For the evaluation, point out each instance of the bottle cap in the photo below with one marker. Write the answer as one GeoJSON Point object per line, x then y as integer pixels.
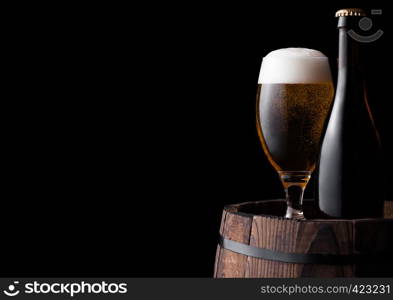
{"type": "Point", "coordinates": [350, 12]}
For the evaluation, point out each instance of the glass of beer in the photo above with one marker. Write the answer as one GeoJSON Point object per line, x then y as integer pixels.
{"type": "Point", "coordinates": [295, 92]}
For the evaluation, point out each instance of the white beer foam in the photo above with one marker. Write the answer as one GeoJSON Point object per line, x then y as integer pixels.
{"type": "Point", "coordinates": [295, 65]}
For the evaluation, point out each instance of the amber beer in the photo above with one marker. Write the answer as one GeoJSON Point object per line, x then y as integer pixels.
{"type": "Point", "coordinates": [294, 95]}
{"type": "Point", "coordinates": [291, 117]}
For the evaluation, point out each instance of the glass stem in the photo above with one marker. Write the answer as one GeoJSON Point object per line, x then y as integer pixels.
{"type": "Point", "coordinates": [294, 184]}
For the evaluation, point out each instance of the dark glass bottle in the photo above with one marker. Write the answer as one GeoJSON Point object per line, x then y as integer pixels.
{"type": "Point", "coordinates": [350, 178]}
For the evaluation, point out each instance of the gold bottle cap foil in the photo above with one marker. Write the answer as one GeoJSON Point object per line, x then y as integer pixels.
{"type": "Point", "coordinates": [350, 12]}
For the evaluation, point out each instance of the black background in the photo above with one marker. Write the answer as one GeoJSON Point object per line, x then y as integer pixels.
{"type": "Point", "coordinates": [127, 129]}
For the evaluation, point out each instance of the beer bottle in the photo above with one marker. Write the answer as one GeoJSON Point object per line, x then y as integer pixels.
{"type": "Point", "coordinates": [350, 177]}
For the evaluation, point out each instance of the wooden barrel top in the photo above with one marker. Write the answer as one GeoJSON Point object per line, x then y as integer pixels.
{"type": "Point", "coordinates": [261, 224]}
{"type": "Point", "coordinates": [276, 209]}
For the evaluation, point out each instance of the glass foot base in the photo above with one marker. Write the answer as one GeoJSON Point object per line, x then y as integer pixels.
{"type": "Point", "coordinates": [293, 213]}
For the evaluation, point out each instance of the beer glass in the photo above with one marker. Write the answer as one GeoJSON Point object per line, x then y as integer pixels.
{"type": "Point", "coordinates": [294, 96]}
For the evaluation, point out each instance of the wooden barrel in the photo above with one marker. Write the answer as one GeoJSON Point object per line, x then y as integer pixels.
{"type": "Point", "coordinates": [255, 241]}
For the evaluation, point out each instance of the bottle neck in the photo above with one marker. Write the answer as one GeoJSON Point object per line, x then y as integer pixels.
{"type": "Point", "coordinates": [349, 52]}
